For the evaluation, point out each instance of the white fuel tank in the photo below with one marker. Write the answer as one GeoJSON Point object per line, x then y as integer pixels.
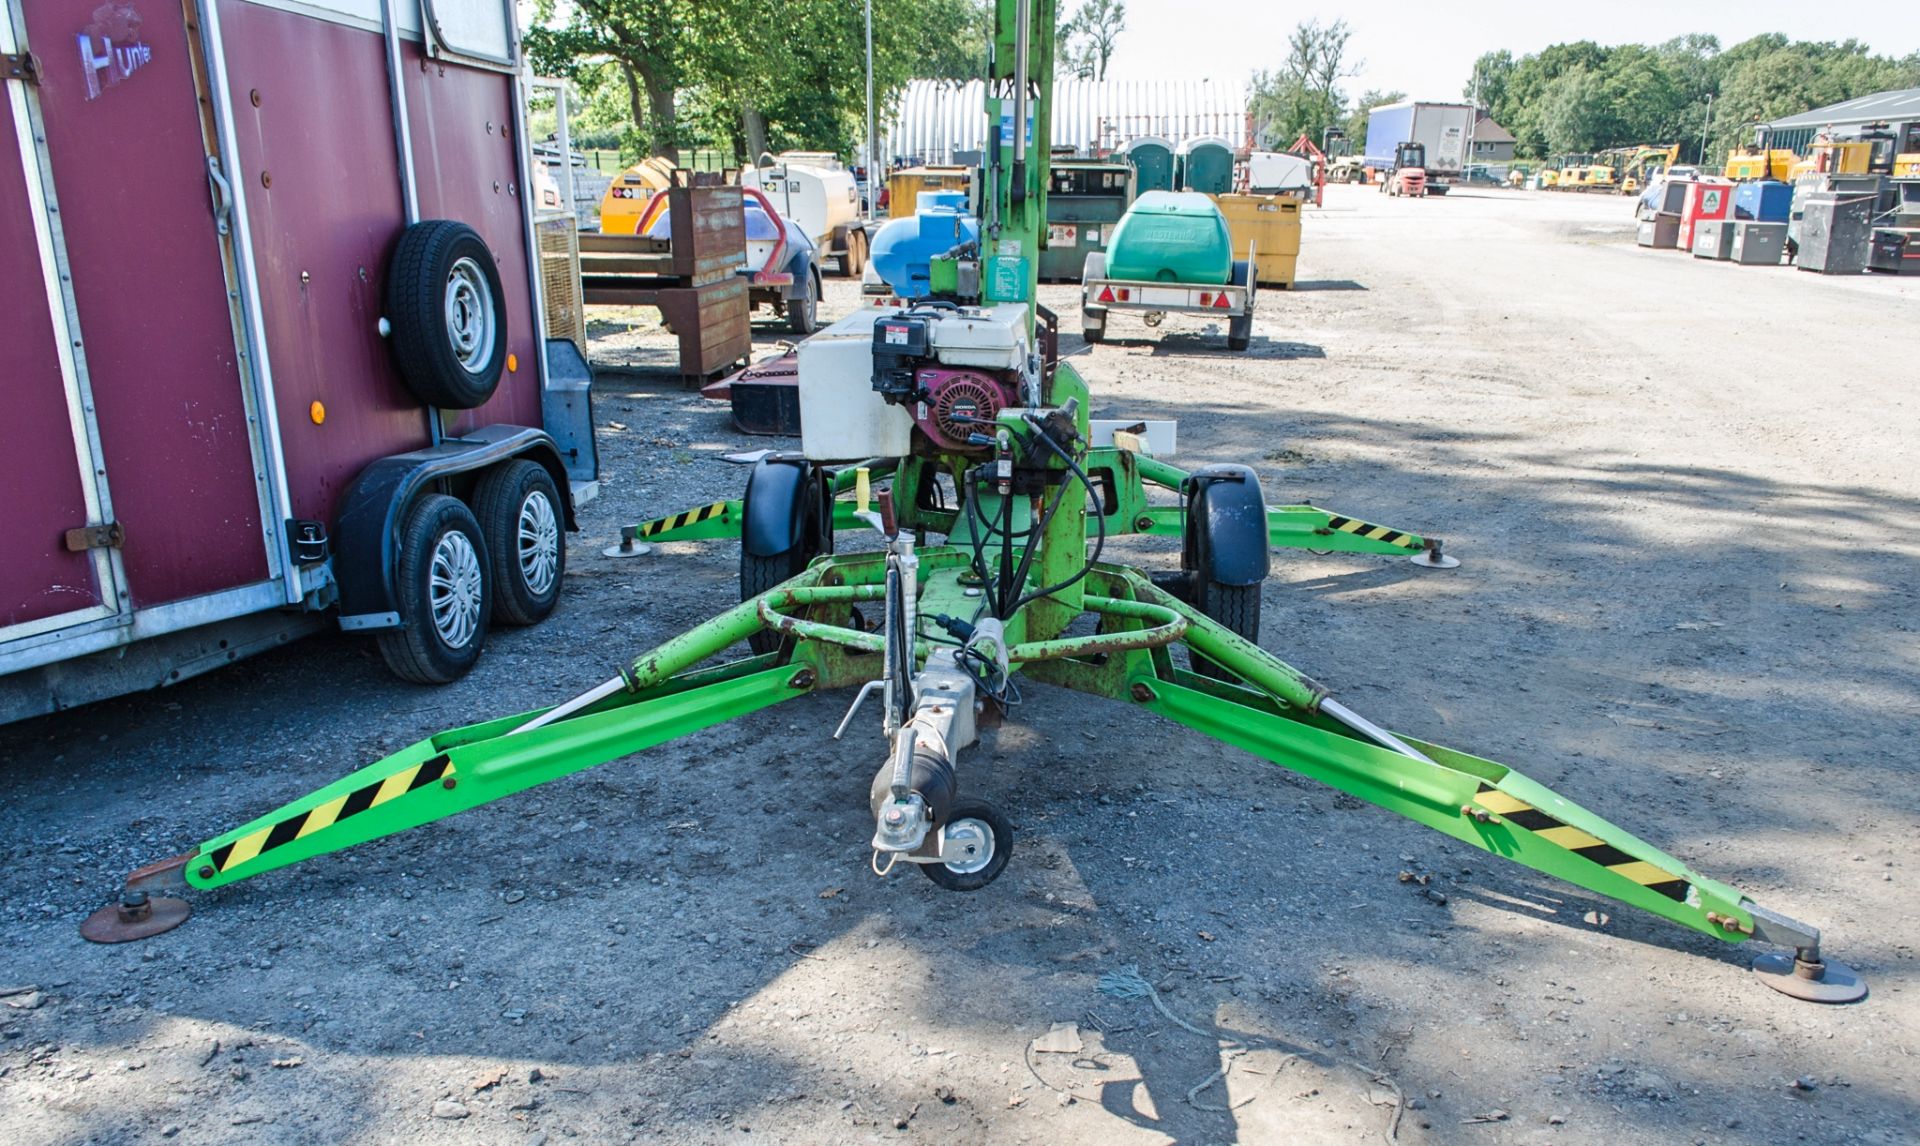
{"type": "Point", "coordinates": [817, 198]}
{"type": "Point", "coordinates": [842, 418]}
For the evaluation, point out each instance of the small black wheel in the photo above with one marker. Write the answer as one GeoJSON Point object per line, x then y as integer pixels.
{"type": "Point", "coordinates": [1236, 607]}
{"type": "Point", "coordinates": [986, 836]}
{"type": "Point", "coordinates": [803, 310]}
{"type": "Point", "coordinates": [1240, 332]}
{"type": "Point", "coordinates": [520, 512]}
{"type": "Point", "coordinates": [449, 322]}
{"type": "Point", "coordinates": [1093, 327]}
{"type": "Point", "coordinates": [445, 593]}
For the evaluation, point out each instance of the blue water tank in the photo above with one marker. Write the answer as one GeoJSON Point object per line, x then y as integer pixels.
{"type": "Point", "coordinates": [903, 248]}
{"type": "Point", "coordinates": [1764, 200]}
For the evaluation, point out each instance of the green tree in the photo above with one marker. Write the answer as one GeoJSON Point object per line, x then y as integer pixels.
{"type": "Point", "coordinates": [1087, 39]}
{"type": "Point", "coordinates": [1304, 95]}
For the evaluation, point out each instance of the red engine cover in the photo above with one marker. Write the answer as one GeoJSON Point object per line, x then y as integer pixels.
{"type": "Point", "coordinates": [955, 399]}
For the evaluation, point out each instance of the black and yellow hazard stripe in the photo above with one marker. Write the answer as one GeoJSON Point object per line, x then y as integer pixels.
{"type": "Point", "coordinates": [264, 840]}
{"type": "Point", "coordinates": [1584, 844]}
{"type": "Point", "coordinates": [671, 522]}
{"type": "Point", "coordinates": [1373, 532]}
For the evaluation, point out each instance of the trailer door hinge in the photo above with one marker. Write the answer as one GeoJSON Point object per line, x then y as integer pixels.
{"type": "Point", "coordinates": [112, 535]}
{"type": "Point", "coordinates": [22, 66]}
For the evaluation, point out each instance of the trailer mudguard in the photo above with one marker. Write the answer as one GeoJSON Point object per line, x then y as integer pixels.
{"type": "Point", "coordinates": [1226, 530]}
{"type": "Point", "coordinates": [773, 512]}
{"type": "Point", "coordinates": [366, 535]}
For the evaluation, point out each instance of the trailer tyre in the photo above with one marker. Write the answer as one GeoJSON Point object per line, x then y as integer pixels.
{"type": "Point", "coordinates": [448, 316]}
{"type": "Point", "coordinates": [1093, 327]}
{"type": "Point", "coordinates": [520, 513]}
{"type": "Point", "coordinates": [803, 310]}
{"type": "Point", "coordinates": [445, 594]}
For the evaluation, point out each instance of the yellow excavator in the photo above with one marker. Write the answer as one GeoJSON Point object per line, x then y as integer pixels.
{"type": "Point", "coordinates": [1635, 167]}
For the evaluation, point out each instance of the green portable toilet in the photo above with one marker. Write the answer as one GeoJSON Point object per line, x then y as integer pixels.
{"type": "Point", "coordinates": [1152, 161]}
{"type": "Point", "coordinates": [1205, 165]}
{"type": "Point", "coordinates": [1084, 202]}
{"type": "Point", "coordinates": [1171, 237]}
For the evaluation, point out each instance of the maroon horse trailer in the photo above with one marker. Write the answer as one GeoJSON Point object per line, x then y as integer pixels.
{"type": "Point", "coordinates": [275, 355]}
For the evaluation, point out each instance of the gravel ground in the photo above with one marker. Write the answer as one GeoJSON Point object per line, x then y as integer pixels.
{"type": "Point", "coordinates": [1686, 500]}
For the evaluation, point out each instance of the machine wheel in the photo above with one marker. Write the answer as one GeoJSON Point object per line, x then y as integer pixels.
{"type": "Point", "coordinates": [445, 593]}
{"type": "Point", "coordinates": [803, 311]}
{"type": "Point", "coordinates": [447, 313]}
{"type": "Point", "coordinates": [520, 513]}
{"type": "Point", "coordinates": [993, 836]}
{"type": "Point", "coordinates": [1236, 607]}
{"type": "Point", "coordinates": [760, 573]}
{"type": "Point", "coordinates": [1240, 332]}
{"type": "Point", "coordinates": [1093, 327]}
{"type": "Point", "coordinates": [855, 260]}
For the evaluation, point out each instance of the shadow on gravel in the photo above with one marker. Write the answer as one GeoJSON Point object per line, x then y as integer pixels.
{"type": "Point", "coordinates": [1305, 285]}
{"type": "Point", "coordinates": [1677, 687]}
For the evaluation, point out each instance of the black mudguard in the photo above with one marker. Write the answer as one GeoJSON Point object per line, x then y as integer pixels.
{"type": "Point", "coordinates": [366, 532]}
{"type": "Point", "coordinates": [1225, 539]}
{"type": "Point", "coordinates": [783, 507]}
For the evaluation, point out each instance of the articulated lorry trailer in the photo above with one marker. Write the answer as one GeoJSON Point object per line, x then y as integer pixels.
{"type": "Point", "coordinates": [1442, 127]}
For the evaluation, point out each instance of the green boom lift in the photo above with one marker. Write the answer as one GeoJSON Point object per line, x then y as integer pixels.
{"type": "Point", "coordinates": [960, 403]}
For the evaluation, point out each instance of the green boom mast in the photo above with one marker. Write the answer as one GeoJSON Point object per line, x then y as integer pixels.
{"type": "Point", "coordinates": [1003, 464]}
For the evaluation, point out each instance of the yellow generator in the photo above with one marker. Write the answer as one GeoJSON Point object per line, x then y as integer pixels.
{"type": "Point", "coordinates": [630, 192]}
{"type": "Point", "coordinates": [1752, 163]}
{"type": "Point", "coordinates": [1269, 225]}
{"type": "Point", "coordinates": [904, 186]}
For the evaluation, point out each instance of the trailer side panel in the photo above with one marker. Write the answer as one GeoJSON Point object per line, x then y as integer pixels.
{"type": "Point", "coordinates": [323, 197]}
{"type": "Point", "coordinates": [124, 132]}
{"type": "Point", "coordinates": [465, 161]}
{"type": "Point", "coordinates": [40, 463]}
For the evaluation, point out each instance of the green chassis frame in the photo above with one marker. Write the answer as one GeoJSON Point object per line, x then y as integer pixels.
{"type": "Point", "coordinates": [1273, 711]}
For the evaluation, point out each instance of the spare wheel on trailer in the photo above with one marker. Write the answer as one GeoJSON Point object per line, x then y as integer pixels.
{"type": "Point", "coordinates": [444, 302]}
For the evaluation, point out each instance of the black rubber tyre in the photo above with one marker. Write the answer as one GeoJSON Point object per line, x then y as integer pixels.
{"type": "Point", "coordinates": [524, 521]}
{"type": "Point", "coordinates": [1236, 607]}
{"type": "Point", "coordinates": [803, 311]}
{"type": "Point", "coordinates": [441, 541]}
{"type": "Point", "coordinates": [1093, 329]}
{"type": "Point", "coordinates": [759, 574]}
{"type": "Point", "coordinates": [1240, 332]}
{"type": "Point", "coordinates": [855, 260]}
{"type": "Point", "coordinates": [1000, 836]}
{"type": "Point", "coordinates": [448, 314]}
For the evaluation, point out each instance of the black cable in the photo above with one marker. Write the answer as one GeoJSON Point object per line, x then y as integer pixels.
{"type": "Point", "coordinates": [1100, 522]}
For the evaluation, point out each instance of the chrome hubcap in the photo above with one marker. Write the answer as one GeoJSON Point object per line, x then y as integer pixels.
{"type": "Point", "coordinates": [539, 543]}
{"type": "Point", "coordinates": [454, 589]}
{"type": "Point", "coordinates": [970, 842]}
{"type": "Point", "coordinates": [470, 321]}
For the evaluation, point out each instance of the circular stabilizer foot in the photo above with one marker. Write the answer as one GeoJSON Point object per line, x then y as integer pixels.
{"type": "Point", "coordinates": [1426, 559]}
{"type": "Point", "coordinates": [627, 549]}
{"type": "Point", "coordinates": [1827, 982]}
{"type": "Point", "coordinates": [123, 923]}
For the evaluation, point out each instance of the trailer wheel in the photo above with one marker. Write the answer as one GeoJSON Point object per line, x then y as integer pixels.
{"type": "Point", "coordinates": [445, 305]}
{"type": "Point", "coordinates": [1235, 607]}
{"type": "Point", "coordinates": [803, 310]}
{"type": "Point", "coordinates": [1093, 326]}
{"type": "Point", "coordinates": [855, 260]}
{"type": "Point", "coordinates": [519, 509]}
{"type": "Point", "coordinates": [988, 836]}
{"type": "Point", "coordinates": [445, 594]}
{"type": "Point", "coordinates": [812, 534]}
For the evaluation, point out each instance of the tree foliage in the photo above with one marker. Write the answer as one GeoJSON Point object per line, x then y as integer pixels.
{"type": "Point", "coordinates": [1583, 97]}
{"type": "Point", "coordinates": [1304, 94]}
{"type": "Point", "coordinates": [747, 76]}
{"type": "Point", "coordinates": [1086, 39]}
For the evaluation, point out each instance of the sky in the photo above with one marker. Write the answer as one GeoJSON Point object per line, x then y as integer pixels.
{"type": "Point", "coordinates": [1427, 49]}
